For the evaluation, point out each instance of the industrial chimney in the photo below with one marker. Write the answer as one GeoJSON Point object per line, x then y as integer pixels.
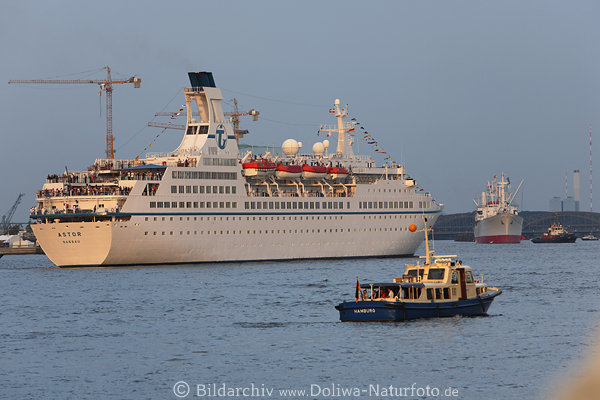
{"type": "Point", "coordinates": [576, 189]}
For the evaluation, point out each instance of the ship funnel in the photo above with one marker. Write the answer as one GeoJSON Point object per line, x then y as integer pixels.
{"type": "Point", "coordinates": [201, 79]}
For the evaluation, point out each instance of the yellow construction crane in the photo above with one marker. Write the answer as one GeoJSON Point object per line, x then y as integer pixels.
{"type": "Point", "coordinates": [234, 117]}
{"type": "Point", "coordinates": [105, 85]}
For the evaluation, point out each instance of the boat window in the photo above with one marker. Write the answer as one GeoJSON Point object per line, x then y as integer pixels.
{"type": "Point", "coordinates": [454, 277]}
{"type": "Point", "coordinates": [446, 293]}
{"type": "Point", "coordinates": [438, 293]}
{"type": "Point", "coordinates": [429, 294]}
{"type": "Point", "coordinates": [469, 277]}
{"type": "Point", "coordinates": [436, 273]}
{"type": "Point", "coordinates": [414, 272]}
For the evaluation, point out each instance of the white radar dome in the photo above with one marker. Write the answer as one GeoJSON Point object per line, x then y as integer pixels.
{"type": "Point", "coordinates": [290, 147]}
{"type": "Point", "coordinates": [326, 143]}
{"type": "Point", "coordinates": [318, 149]}
{"type": "Point", "coordinates": [299, 144]}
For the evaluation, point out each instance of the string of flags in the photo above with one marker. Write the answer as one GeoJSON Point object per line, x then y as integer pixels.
{"type": "Point", "coordinates": [369, 139]}
{"type": "Point", "coordinates": [173, 116]}
{"type": "Point", "coordinates": [178, 112]}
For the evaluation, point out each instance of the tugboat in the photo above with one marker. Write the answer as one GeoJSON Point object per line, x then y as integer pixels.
{"type": "Point", "coordinates": [442, 288]}
{"type": "Point", "coordinates": [555, 234]}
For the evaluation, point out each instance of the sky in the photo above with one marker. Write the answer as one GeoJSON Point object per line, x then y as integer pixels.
{"type": "Point", "coordinates": [458, 91]}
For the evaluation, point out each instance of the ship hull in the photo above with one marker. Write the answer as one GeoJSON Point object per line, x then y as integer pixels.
{"type": "Point", "coordinates": [145, 240]}
{"type": "Point", "coordinates": [501, 228]}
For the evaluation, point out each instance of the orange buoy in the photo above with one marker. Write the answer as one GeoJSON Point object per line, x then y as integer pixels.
{"type": "Point", "coordinates": [412, 227]}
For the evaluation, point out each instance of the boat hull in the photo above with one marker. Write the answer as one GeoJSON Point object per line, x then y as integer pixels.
{"type": "Point", "coordinates": [501, 228]}
{"type": "Point", "coordinates": [373, 311]}
{"type": "Point", "coordinates": [568, 238]}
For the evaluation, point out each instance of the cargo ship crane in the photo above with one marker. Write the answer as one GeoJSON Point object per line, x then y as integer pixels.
{"type": "Point", "coordinates": [105, 85]}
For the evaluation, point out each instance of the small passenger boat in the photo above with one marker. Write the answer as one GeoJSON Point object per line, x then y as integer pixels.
{"type": "Point", "coordinates": [314, 171]}
{"type": "Point", "coordinates": [337, 173]}
{"type": "Point", "coordinates": [259, 167]}
{"type": "Point", "coordinates": [443, 287]}
{"type": "Point", "coordinates": [288, 171]}
{"type": "Point", "coordinates": [589, 237]}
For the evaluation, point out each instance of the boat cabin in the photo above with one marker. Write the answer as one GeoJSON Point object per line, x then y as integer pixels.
{"type": "Point", "coordinates": [444, 280]}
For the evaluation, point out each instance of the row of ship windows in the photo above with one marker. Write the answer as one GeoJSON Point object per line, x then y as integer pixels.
{"type": "Point", "coordinates": [193, 204]}
{"type": "Point", "coordinates": [392, 204]}
{"type": "Point", "coordinates": [277, 231]}
{"type": "Point", "coordinates": [204, 175]}
{"type": "Point", "coordinates": [295, 218]}
{"type": "Point", "coordinates": [192, 189]}
{"type": "Point", "coordinates": [283, 218]}
{"type": "Point", "coordinates": [226, 162]}
{"type": "Point", "coordinates": [294, 205]}
{"type": "Point", "coordinates": [389, 190]}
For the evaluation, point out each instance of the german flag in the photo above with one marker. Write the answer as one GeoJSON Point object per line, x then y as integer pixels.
{"type": "Point", "coordinates": [357, 294]}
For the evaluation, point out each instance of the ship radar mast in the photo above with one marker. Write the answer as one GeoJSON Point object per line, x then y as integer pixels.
{"type": "Point", "coordinates": [344, 146]}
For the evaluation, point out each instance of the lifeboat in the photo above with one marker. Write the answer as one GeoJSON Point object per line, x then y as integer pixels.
{"type": "Point", "coordinates": [314, 171]}
{"type": "Point", "coordinates": [288, 171]}
{"type": "Point", "coordinates": [259, 167]}
{"type": "Point", "coordinates": [337, 173]}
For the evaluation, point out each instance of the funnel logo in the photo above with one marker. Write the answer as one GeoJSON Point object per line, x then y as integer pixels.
{"type": "Point", "coordinates": [221, 137]}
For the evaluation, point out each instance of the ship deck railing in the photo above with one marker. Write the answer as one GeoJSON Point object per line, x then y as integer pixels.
{"type": "Point", "coordinates": [51, 193]}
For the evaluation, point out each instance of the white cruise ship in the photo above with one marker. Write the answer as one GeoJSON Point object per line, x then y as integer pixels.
{"type": "Point", "coordinates": [204, 202]}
